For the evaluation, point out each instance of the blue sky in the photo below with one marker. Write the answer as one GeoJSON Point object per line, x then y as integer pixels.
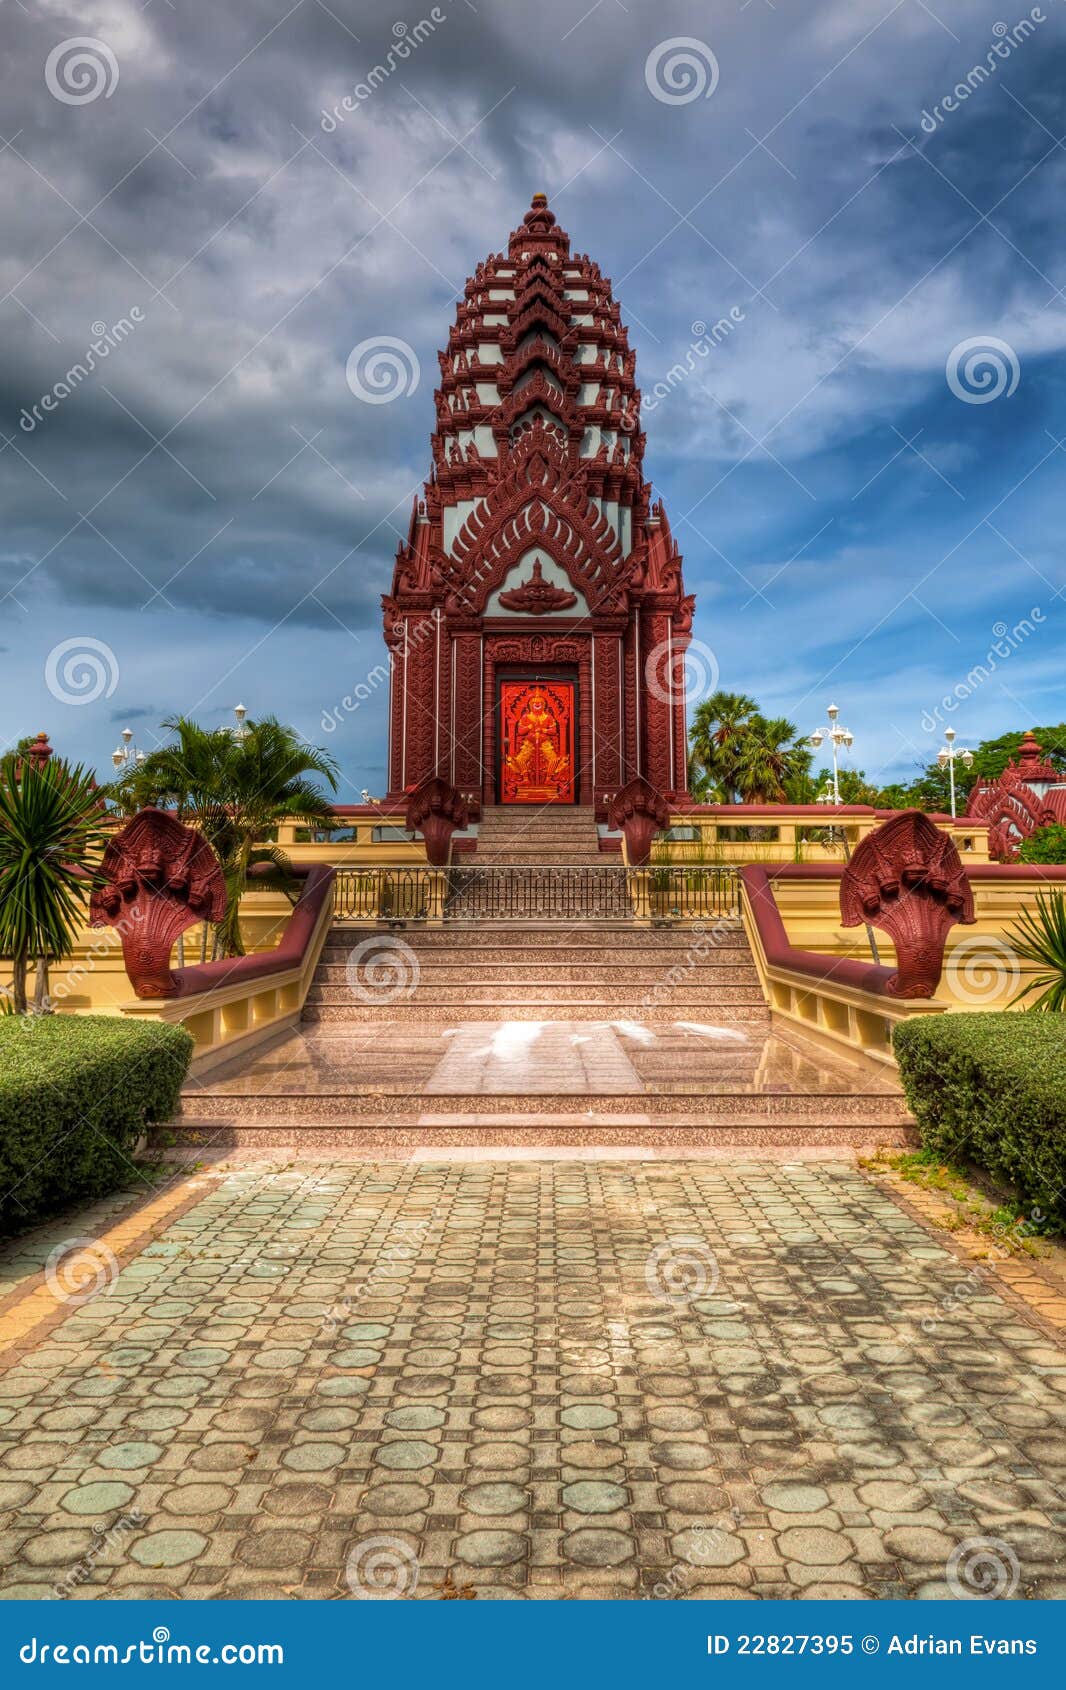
{"type": "Point", "coordinates": [212, 514]}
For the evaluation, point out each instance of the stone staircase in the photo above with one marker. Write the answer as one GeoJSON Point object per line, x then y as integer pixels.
{"type": "Point", "coordinates": [530, 972]}
{"type": "Point", "coordinates": [536, 1035]}
{"type": "Point", "coordinates": [522, 833]}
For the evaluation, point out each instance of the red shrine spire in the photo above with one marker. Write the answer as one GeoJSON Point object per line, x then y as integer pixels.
{"type": "Point", "coordinates": [535, 550]}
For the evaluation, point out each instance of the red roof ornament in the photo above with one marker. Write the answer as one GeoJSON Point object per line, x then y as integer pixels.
{"type": "Point", "coordinates": [1031, 763]}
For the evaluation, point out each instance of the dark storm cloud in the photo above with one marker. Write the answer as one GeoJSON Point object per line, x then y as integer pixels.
{"type": "Point", "coordinates": [215, 464]}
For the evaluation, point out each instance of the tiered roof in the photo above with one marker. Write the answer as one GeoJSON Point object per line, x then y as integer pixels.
{"type": "Point", "coordinates": [537, 437]}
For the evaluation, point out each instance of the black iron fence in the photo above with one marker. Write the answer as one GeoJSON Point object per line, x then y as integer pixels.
{"type": "Point", "coordinates": [531, 892]}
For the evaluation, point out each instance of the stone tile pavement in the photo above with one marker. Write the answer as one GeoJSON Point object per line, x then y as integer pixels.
{"type": "Point", "coordinates": [530, 1379]}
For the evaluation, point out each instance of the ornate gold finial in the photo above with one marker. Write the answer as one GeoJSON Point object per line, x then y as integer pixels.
{"type": "Point", "coordinates": [540, 199]}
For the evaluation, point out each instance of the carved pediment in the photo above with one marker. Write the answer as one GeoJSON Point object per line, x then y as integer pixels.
{"type": "Point", "coordinates": [537, 597]}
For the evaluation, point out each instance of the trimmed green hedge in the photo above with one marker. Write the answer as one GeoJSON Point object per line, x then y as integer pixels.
{"type": "Point", "coordinates": [991, 1089]}
{"type": "Point", "coordinates": [76, 1092]}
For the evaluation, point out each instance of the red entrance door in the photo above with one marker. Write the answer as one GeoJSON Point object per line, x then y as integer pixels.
{"type": "Point", "coordinates": [537, 742]}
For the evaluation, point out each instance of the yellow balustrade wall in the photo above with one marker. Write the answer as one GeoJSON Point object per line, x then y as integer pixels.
{"type": "Point", "coordinates": [797, 835]}
{"type": "Point", "coordinates": [362, 849]}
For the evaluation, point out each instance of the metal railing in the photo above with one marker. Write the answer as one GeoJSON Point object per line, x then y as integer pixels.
{"type": "Point", "coordinates": [535, 892]}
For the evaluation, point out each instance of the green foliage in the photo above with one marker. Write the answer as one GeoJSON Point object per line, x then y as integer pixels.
{"type": "Point", "coordinates": [1046, 845]}
{"type": "Point", "coordinates": [930, 790]}
{"type": "Point", "coordinates": [1040, 937]}
{"type": "Point", "coordinates": [49, 833]}
{"type": "Point", "coordinates": [991, 1089]}
{"type": "Point", "coordinates": [741, 754]}
{"type": "Point", "coordinates": [853, 784]}
{"type": "Point", "coordinates": [76, 1092]}
{"type": "Point", "coordinates": [235, 790]}
{"type": "Point", "coordinates": [992, 755]}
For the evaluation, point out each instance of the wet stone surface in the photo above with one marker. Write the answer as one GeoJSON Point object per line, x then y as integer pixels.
{"type": "Point", "coordinates": [536, 1379]}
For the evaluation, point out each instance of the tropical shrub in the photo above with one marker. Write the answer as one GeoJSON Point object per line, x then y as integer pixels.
{"type": "Point", "coordinates": [1040, 937]}
{"type": "Point", "coordinates": [50, 817]}
{"type": "Point", "coordinates": [991, 1089]}
{"type": "Point", "coordinates": [1045, 845]}
{"type": "Point", "coordinates": [76, 1093]}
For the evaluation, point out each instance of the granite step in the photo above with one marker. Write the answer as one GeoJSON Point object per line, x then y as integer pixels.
{"type": "Point", "coordinates": [354, 1109]}
{"type": "Point", "coordinates": [598, 935]}
{"type": "Point", "coordinates": [503, 1137]}
{"type": "Point", "coordinates": [549, 994]}
{"type": "Point", "coordinates": [588, 957]}
{"type": "Point", "coordinates": [409, 1012]}
{"type": "Point", "coordinates": [538, 972]}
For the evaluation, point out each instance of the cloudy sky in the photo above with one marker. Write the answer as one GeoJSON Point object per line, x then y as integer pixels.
{"type": "Point", "coordinates": [865, 490]}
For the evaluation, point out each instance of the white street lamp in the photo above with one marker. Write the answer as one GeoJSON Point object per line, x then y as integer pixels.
{"type": "Point", "coordinates": [127, 755]}
{"type": "Point", "coordinates": [946, 758]}
{"type": "Point", "coordinates": [838, 736]}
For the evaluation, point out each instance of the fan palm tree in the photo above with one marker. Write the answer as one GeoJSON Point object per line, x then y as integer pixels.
{"type": "Point", "coordinates": [50, 833]}
{"type": "Point", "coordinates": [236, 790]}
{"type": "Point", "coordinates": [769, 756]}
{"type": "Point", "coordinates": [719, 724]}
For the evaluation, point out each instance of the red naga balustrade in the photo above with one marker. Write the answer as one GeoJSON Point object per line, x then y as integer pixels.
{"type": "Point", "coordinates": [641, 813]}
{"type": "Point", "coordinates": [907, 879]}
{"type": "Point", "coordinates": [161, 878]}
{"type": "Point", "coordinates": [435, 810]}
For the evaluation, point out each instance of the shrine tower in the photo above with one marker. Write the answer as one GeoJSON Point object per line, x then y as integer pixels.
{"type": "Point", "coordinates": [538, 621]}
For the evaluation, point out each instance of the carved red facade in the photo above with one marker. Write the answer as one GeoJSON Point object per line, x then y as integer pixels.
{"type": "Point", "coordinates": [907, 878]}
{"type": "Point", "coordinates": [535, 552]}
{"type": "Point", "coordinates": [1030, 793]}
{"type": "Point", "coordinates": [161, 878]}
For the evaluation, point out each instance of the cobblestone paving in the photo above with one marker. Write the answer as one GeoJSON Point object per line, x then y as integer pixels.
{"type": "Point", "coordinates": [537, 1379]}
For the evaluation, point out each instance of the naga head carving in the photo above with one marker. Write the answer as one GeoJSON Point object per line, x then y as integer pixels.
{"type": "Point", "coordinates": [641, 812]}
{"type": "Point", "coordinates": [160, 877]}
{"type": "Point", "coordinates": [907, 879]}
{"type": "Point", "coordinates": [435, 809]}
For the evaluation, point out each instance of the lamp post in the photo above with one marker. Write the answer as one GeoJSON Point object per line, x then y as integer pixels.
{"type": "Point", "coordinates": [838, 736]}
{"type": "Point", "coordinates": [946, 758]}
{"type": "Point", "coordinates": [127, 755]}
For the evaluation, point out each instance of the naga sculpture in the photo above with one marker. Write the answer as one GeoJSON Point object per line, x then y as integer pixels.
{"type": "Point", "coordinates": [907, 879]}
{"type": "Point", "coordinates": [160, 878]}
{"type": "Point", "coordinates": [641, 812]}
{"type": "Point", "coordinates": [435, 809]}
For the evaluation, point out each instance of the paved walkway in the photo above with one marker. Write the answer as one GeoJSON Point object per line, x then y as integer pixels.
{"type": "Point", "coordinates": [523, 1378]}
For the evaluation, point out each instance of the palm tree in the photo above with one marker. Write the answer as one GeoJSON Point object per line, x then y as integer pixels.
{"type": "Point", "coordinates": [769, 756]}
{"type": "Point", "coordinates": [719, 724]}
{"type": "Point", "coordinates": [236, 790]}
{"type": "Point", "coordinates": [50, 833]}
